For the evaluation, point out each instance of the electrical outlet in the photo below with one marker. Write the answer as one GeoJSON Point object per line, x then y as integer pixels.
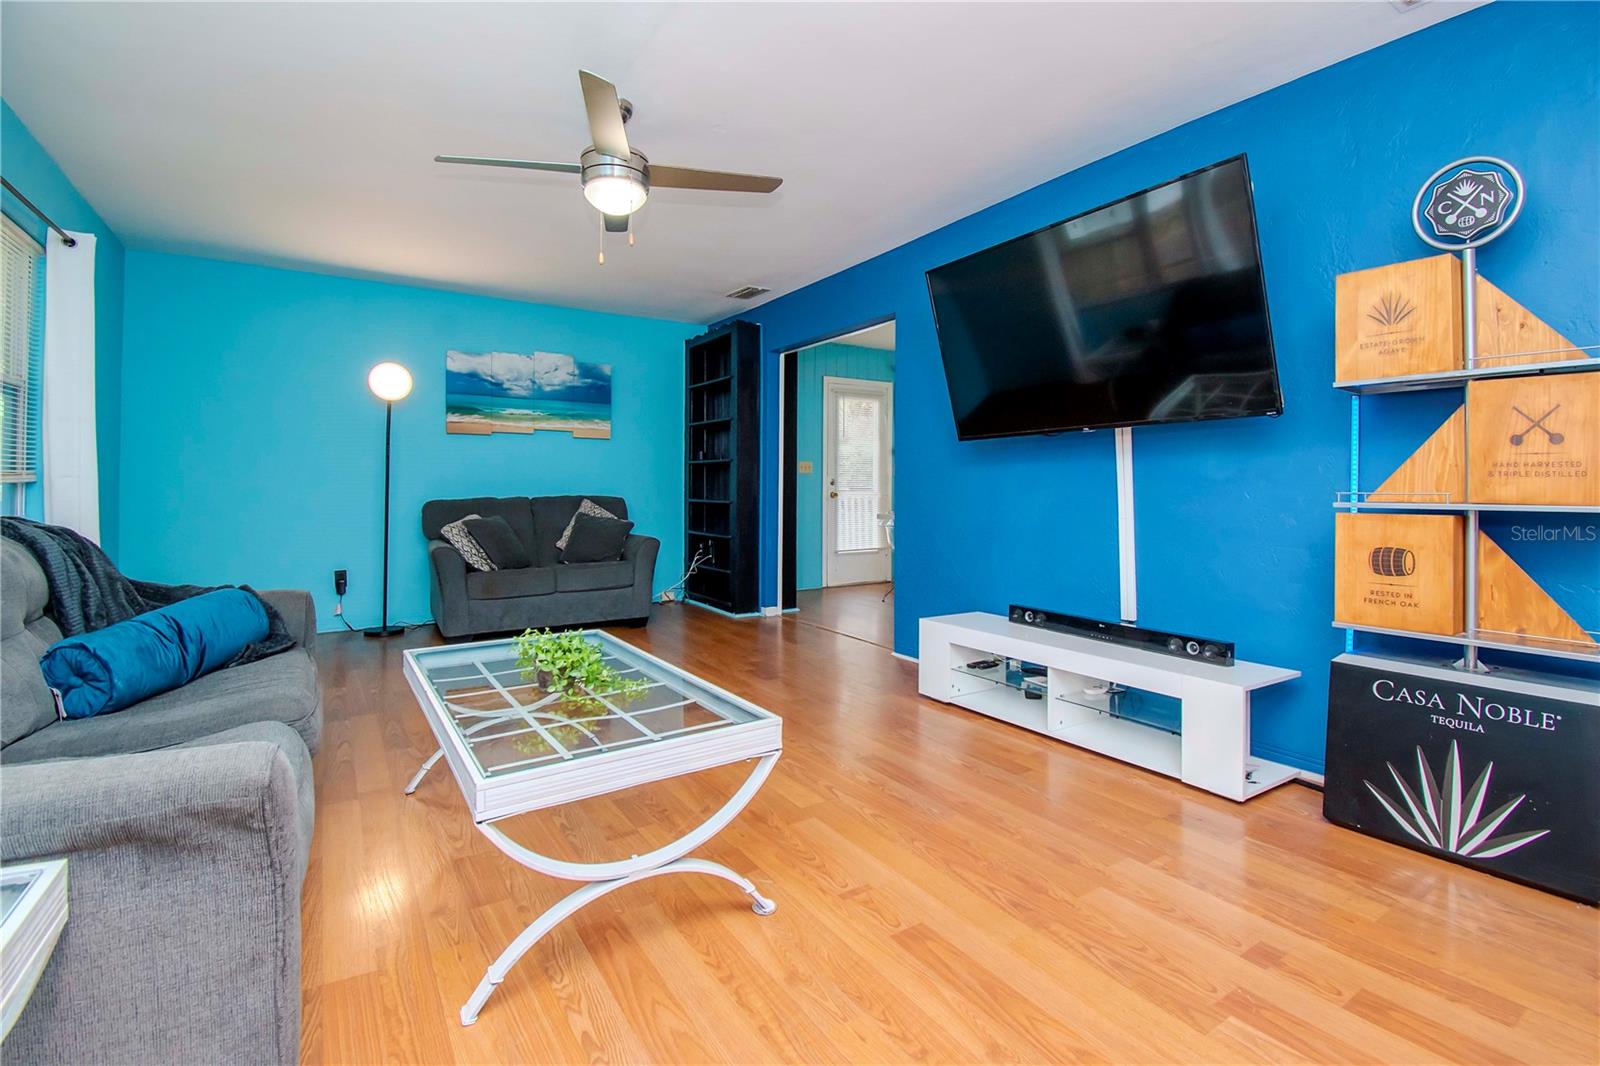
{"type": "Point", "coordinates": [341, 582]}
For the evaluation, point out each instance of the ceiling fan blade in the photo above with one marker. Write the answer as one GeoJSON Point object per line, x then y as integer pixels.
{"type": "Point", "coordinates": [519, 164]}
{"type": "Point", "coordinates": [605, 115]}
{"type": "Point", "coordinates": [616, 223]}
{"type": "Point", "coordinates": [714, 180]}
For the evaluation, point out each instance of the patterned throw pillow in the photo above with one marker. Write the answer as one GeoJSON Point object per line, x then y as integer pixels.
{"type": "Point", "coordinates": [588, 507]}
{"type": "Point", "coordinates": [456, 533]}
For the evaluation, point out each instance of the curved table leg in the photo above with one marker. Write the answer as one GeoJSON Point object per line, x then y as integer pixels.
{"type": "Point", "coordinates": [415, 781]}
{"type": "Point", "coordinates": [606, 877]}
{"type": "Point", "coordinates": [575, 902]}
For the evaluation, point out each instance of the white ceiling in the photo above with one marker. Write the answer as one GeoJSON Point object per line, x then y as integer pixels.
{"type": "Point", "coordinates": [303, 134]}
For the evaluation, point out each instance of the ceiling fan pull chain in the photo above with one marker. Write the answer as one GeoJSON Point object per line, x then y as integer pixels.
{"type": "Point", "coordinates": [602, 256]}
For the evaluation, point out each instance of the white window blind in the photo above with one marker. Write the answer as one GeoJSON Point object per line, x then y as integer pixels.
{"type": "Point", "coordinates": [22, 325]}
{"type": "Point", "coordinates": [858, 454]}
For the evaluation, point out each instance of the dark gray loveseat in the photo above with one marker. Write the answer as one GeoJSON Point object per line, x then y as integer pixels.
{"type": "Point", "coordinates": [550, 592]}
{"type": "Point", "coordinates": [186, 824]}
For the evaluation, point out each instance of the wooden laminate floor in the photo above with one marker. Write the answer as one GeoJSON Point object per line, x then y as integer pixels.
{"type": "Point", "coordinates": [865, 612]}
{"type": "Point", "coordinates": [948, 888]}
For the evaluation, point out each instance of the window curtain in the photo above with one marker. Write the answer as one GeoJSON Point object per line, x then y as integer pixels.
{"type": "Point", "coordinates": [71, 460]}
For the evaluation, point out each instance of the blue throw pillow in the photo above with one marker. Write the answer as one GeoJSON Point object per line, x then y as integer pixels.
{"type": "Point", "coordinates": [152, 653]}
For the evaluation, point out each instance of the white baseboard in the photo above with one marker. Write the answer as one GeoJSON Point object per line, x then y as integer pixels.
{"type": "Point", "coordinates": [907, 658]}
{"type": "Point", "coordinates": [771, 612]}
{"type": "Point", "coordinates": [1306, 777]}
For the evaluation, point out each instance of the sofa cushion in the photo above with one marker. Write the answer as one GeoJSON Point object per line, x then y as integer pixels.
{"type": "Point", "coordinates": [27, 592]}
{"type": "Point", "coordinates": [590, 577]}
{"type": "Point", "coordinates": [282, 688]}
{"type": "Point", "coordinates": [25, 701]}
{"type": "Point", "coordinates": [503, 547]}
{"type": "Point", "coordinates": [595, 540]}
{"type": "Point", "coordinates": [587, 508]}
{"type": "Point", "coordinates": [514, 509]}
{"type": "Point", "coordinates": [509, 584]}
{"type": "Point", "coordinates": [551, 515]}
{"type": "Point", "coordinates": [25, 632]}
{"type": "Point", "coordinates": [122, 664]}
{"type": "Point", "coordinates": [466, 544]}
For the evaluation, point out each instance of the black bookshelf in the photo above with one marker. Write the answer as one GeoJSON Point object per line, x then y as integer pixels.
{"type": "Point", "coordinates": [722, 467]}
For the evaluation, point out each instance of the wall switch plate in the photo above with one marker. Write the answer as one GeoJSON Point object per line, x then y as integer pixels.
{"type": "Point", "coordinates": [341, 582]}
{"type": "Point", "coordinates": [804, 466]}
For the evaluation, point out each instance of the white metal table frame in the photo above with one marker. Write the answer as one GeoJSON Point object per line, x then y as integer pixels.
{"type": "Point", "coordinates": [564, 776]}
{"type": "Point", "coordinates": [29, 930]}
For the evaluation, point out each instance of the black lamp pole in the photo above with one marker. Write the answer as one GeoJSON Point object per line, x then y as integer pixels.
{"type": "Point", "coordinates": [389, 382]}
{"type": "Point", "coordinates": [385, 629]}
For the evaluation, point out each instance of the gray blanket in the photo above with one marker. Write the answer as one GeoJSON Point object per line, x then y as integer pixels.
{"type": "Point", "coordinates": [88, 592]}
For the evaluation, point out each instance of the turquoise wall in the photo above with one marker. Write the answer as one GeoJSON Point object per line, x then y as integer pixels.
{"type": "Point", "coordinates": [1235, 523]}
{"type": "Point", "coordinates": [255, 452]}
{"type": "Point", "coordinates": [29, 167]}
{"type": "Point", "coordinates": [811, 366]}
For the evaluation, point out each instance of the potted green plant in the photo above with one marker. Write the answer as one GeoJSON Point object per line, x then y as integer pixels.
{"type": "Point", "coordinates": [574, 672]}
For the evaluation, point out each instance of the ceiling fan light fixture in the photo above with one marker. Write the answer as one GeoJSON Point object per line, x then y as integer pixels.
{"type": "Point", "coordinates": [615, 194]}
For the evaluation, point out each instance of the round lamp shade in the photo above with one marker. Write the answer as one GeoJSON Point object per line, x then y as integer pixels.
{"type": "Point", "coordinates": [389, 382]}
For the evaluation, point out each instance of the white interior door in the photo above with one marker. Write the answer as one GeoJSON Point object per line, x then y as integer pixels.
{"type": "Point", "coordinates": [857, 453]}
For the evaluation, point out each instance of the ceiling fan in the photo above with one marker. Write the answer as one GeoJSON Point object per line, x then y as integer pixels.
{"type": "Point", "coordinates": [616, 176]}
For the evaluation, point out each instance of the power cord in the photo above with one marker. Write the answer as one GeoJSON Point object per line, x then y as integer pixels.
{"type": "Point", "coordinates": [674, 591]}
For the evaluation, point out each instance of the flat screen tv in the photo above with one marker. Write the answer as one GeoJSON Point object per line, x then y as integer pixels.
{"type": "Point", "coordinates": [1151, 309]}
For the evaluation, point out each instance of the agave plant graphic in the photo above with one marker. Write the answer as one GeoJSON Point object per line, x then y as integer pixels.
{"type": "Point", "coordinates": [1466, 187]}
{"type": "Point", "coordinates": [1391, 310]}
{"type": "Point", "coordinates": [1448, 821]}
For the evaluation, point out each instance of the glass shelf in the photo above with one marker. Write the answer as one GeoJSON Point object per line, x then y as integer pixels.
{"type": "Point", "coordinates": [1000, 676]}
{"type": "Point", "coordinates": [1547, 646]}
{"type": "Point", "coordinates": [1364, 503]}
{"type": "Point", "coordinates": [1452, 379]}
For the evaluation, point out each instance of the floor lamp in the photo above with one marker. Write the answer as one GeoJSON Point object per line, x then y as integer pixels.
{"type": "Point", "coordinates": [389, 382]}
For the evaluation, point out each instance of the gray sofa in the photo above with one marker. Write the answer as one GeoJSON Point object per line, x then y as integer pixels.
{"type": "Point", "coordinates": [549, 593]}
{"type": "Point", "coordinates": [186, 825]}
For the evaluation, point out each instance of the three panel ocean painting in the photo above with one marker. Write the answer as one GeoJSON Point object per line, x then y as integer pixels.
{"type": "Point", "coordinates": [507, 392]}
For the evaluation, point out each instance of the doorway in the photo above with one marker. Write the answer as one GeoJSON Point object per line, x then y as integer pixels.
{"type": "Point", "coordinates": [857, 425]}
{"type": "Point", "coordinates": [836, 549]}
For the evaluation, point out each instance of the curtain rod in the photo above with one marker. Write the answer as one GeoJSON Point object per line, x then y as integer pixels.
{"type": "Point", "coordinates": [66, 238]}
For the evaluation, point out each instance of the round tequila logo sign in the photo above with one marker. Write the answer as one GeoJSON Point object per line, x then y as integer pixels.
{"type": "Point", "coordinates": [1468, 203]}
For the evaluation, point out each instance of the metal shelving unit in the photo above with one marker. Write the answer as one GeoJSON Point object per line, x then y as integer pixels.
{"type": "Point", "coordinates": [1354, 501]}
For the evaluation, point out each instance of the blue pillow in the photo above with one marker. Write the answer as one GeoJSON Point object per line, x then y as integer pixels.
{"type": "Point", "coordinates": [152, 653]}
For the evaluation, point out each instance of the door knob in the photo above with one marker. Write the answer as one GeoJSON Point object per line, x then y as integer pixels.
{"type": "Point", "coordinates": [833, 495]}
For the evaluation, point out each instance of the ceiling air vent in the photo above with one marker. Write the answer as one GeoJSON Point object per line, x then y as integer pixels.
{"type": "Point", "coordinates": [749, 292]}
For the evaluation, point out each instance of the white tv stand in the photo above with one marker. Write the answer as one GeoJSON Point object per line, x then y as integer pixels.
{"type": "Point", "coordinates": [1213, 751]}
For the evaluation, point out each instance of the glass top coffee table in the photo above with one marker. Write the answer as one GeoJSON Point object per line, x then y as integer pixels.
{"type": "Point", "coordinates": [514, 747]}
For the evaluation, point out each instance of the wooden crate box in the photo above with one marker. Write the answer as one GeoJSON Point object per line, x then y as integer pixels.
{"type": "Point", "coordinates": [1534, 440]}
{"type": "Point", "coordinates": [1404, 318]}
{"type": "Point", "coordinates": [1400, 571]}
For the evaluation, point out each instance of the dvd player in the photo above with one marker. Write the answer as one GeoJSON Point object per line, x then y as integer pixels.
{"type": "Point", "coordinates": [1200, 649]}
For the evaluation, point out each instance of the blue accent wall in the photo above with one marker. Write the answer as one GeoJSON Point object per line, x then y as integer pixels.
{"type": "Point", "coordinates": [1235, 527]}
{"type": "Point", "coordinates": [31, 169]}
{"type": "Point", "coordinates": [811, 366]}
{"type": "Point", "coordinates": [253, 451]}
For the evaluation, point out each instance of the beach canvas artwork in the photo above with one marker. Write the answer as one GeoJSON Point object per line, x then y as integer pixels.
{"type": "Point", "coordinates": [508, 392]}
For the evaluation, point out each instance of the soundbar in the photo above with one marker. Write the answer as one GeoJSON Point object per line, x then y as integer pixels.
{"type": "Point", "coordinates": [1200, 649]}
